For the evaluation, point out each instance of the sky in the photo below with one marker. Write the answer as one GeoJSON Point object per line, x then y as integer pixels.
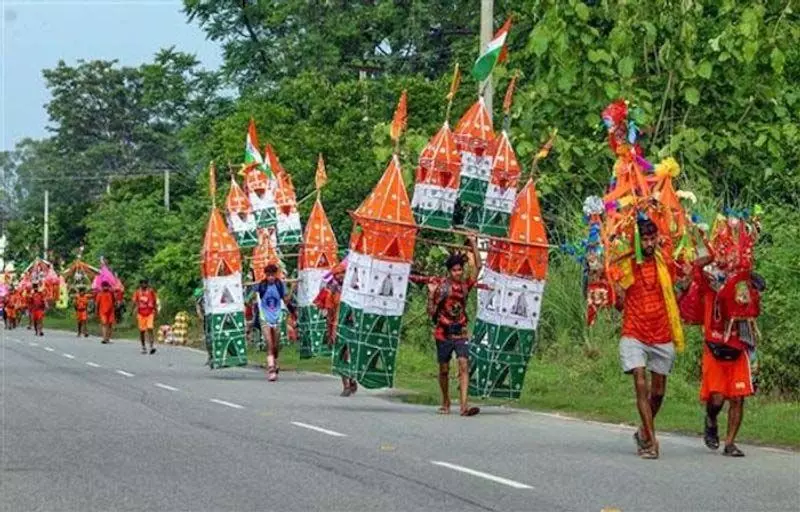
{"type": "Point", "coordinates": [36, 34]}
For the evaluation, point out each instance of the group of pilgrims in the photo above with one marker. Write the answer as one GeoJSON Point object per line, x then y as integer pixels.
{"type": "Point", "coordinates": [646, 254]}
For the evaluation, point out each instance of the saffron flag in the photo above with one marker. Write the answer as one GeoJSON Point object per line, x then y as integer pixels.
{"type": "Point", "coordinates": [321, 178]}
{"type": "Point", "coordinates": [494, 53]}
{"type": "Point", "coordinates": [251, 153]}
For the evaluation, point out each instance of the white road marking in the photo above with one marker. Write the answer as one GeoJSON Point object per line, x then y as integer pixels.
{"type": "Point", "coordinates": [481, 474]}
{"type": "Point", "coordinates": [319, 429]}
{"type": "Point", "coordinates": [229, 404]}
{"type": "Point", "coordinates": [50, 349]}
{"type": "Point", "coordinates": [68, 356]}
{"type": "Point", "coordinates": [164, 386]}
{"type": "Point", "coordinates": [93, 365]}
{"type": "Point", "coordinates": [123, 372]}
{"type": "Point", "coordinates": [33, 344]}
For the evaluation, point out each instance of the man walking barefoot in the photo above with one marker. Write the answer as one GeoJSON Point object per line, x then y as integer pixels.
{"type": "Point", "coordinates": [144, 302]}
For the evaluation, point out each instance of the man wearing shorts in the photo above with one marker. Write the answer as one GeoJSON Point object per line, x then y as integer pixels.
{"type": "Point", "coordinates": [647, 334]}
{"type": "Point", "coordinates": [271, 293]}
{"type": "Point", "coordinates": [447, 304]}
{"type": "Point", "coordinates": [144, 303]}
{"type": "Point", "coordinates": [105, 304]}
{"type": "Point", "coordinates": [81, 302]}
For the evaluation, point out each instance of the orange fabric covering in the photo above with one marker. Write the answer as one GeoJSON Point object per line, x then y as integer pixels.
{"type": "Point", "coordinates": [732, 379]}
{"type": "Point", "coordinates": [263, 255]}
{"type": "Point", "coordinates": [525, 227]}
{"type": "Point", "coordinates": [440, 161]}
{"type": "Point", "coordinates": [220, 254]}
{"type": "Point", "coordinates": [104, 302]}
{"type": "Point", "coordinates": [254, 179]}
{"type": "Point", "coordinates": [375, 232]}
{"type": "Point", "coordinates": [474, 130]}
{"type": "Point", "coordinates": [237, 201]}
{"type": "Point", "coordinates": [505, 167]}
{"type": "Point", "coordinates": [645, 311]}
{"type": "Point", "coordinates": [319, 249]}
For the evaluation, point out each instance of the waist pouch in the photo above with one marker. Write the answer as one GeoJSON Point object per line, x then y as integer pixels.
{"type": "Point", "coordinates": [723, 352]}
{"type": "Point", "coordinates": [454, 329]}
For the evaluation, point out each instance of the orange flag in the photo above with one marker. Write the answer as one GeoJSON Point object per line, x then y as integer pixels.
{"type": "Point", "coordinates": [212, 182]}
{"type": "Point", "coordinates": [509, 94]}
{"type": "Point", "coordinates": [321, 178]}
{"type": "Point", "coordinates": [455, 83]}
{"type": "Point", "coordinates": [400, 118]}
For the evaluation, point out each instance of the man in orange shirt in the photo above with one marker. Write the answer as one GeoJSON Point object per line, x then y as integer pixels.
{"type": "Point", "coordinates": [37, 303]}
{"type": "Point", "coordinates": [11, 309]}
{"type": "Point", "coordinates": [144, 302]}
{"type": "Point", "coordinates": [105, 304]}
{"type": "Point", "coordinates": [647, 335]}
{"type": "Point", "coordinates": [82, 311]}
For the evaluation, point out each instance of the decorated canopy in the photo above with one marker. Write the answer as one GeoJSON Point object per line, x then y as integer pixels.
{"type": "Point", "coordinates": [223, 298]}
{"type": "Point", "coordinates": [290, 230]}
{"type": "Point", "coordinates": [508, 308]}
{"type": "Point", "coordinates": [473, 135]}
{"type": "Point", "coordinates": [374, 291]}
{"type": "Point", "coordinates": [265, 254]}
{"type": "Point", "coordinates": [241, 219]}
{"type": "Point", "coordinates": [437, 179]}
{"type": "Point", "coordinates": [79, 273]}
{"type": "Point", "coordinates": [318, 255]}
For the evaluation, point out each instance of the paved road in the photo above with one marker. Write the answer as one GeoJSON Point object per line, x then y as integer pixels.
{"type": "Point", "coordinates": [90, 427]}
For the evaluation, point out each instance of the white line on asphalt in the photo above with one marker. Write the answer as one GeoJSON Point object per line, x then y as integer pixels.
{"type": "Point", "coordinates": [50, 349]}
{"type": "Point", "coordinates": [319, 429]}
{"type": "Point", "coordinates": [123, 372]}
{"type": "Point", "coordinates": [68, 356]}
{"type": "Point", "coordinates": [93, 365]}
{"type": "Point", "coordinates": [481, 474]}
{"type": "Point", "coordinates": [17, 341]}
{"type": "Point", "coordinates": [33, 344]}
{"type": "Point", "coordinates": [229, 404]}
{"type": "Point", "coordinates": [164, 386]}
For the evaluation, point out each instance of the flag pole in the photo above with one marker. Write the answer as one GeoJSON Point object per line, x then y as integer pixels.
{"type": "Point", "coordinates": [487, 25]}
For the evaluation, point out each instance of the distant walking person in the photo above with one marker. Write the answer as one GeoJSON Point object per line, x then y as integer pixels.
{"type": "Point", "coordinates": [105, 305]}
{"type": "Point", "coordinates": [37, 304]}
{"type": "Point", "coordinates": [144, 302]}
{"type": "Point", "coordinates": [81, 303]}
{"type": "Point", "coordinates": [271, 292]}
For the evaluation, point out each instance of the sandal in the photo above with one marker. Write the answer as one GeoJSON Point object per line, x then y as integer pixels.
{"type": "Point", "coordinates": [641, 444]}
{"type": "Point", "coordinates": [651, 452]}
{"type": "Point", "coordinates": [443, 410]}
{"type": "Point", "coordinates": [353, 387]}
{"type": "Point", "coordinates": [346, 392]}
{"type": "Point", "coordinates": [711, 435]}
{"type": "Point", "coordinates": [731, 450]}
{"type": "Point", "coordinates": [472, 411]}
{"type": "Point", "coordinates": [272, 374]}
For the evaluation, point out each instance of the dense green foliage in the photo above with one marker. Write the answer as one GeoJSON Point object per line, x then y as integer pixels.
{"type": "Point", "coordinates": [716, 81]}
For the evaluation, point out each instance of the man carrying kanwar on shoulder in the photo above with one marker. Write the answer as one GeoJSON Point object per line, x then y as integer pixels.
{"type": "Point", "coordinates": [651, 330]}
{"type": "Point", "coordinates": [271, 293]}
{"type": "Point", "coordinates": [144, 302]}
{"type": "Point", "coordinates": [328, 300]}
{"type": "Point", "coordinates": [81, 304]}
{"type": "Point", "coordinates": [105, 305]}
{"type": "Point", "coordinates": [447, 305]}
{"type": "Point", "coordinates": [37, 304]}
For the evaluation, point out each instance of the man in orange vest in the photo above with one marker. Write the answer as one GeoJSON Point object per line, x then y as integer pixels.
{"type": "Point", "coordinates": [105, 305]}
{"type": "Point", "coordinates": [37, 303]}
{"type": "Point", "coordinates": [82, 311]}
{"type": "Point", "coordinates": [647, 336]}
{"type": "Point", "coordinates": [144, 302]}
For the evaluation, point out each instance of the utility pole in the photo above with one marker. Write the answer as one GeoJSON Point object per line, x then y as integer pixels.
{"type": "Point", "coordinates": [46, 221]}
{"type": "Point", "coordinates": [166, 189]}
{"type": "Point", "coordinates": [487, 26]}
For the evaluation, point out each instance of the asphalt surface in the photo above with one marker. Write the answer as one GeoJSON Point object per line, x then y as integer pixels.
{"type": "Point", "coordinates": [90, 427]}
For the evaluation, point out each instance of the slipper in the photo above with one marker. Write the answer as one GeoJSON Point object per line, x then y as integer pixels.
{"type": "Point", "coordinates": [443, 410]}
{"type": "Point", "coordinates": [472, 411]}
{"type": "Point", "coordinates": [153, 350]}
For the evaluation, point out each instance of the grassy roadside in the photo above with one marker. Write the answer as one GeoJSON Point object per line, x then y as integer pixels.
{"type": "Point", "coordinates": [564, 380]}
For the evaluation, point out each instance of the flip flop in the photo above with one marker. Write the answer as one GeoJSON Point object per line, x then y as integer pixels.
{"type": "Point", "coordinates": [443, 410]}
{"type": "Point", "coordinates": [472, 411]}
{"type": "Point", "coordinates": [152, 350]}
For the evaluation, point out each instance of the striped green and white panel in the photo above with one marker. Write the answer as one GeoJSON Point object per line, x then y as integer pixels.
{"type": "Point", "coordinates": [370, 317]}
{"type": "Point", "coordinates": [290, 231]}
{"type": "Point", "coordinates": [224, 320]}
{"type": "Point", "coordinates": [504, 335]}
{"type": "Point", "coordinates": [264, 208]}
{"type": "Point", "coordinates": [434, 205]}
{"type": "Point", "coordinates": [311, 323]}
{"type": "Point", "coordinates": [475, 174]}
{"type": "Point", "coordinates": [244, 230]}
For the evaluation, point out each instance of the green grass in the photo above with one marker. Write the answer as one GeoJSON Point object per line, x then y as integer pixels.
{"type": "Point", "coordinates": [579, 379]}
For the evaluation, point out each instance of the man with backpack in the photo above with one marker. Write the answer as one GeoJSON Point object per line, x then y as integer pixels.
{"type": "Point", "coordinates": [447, 304]}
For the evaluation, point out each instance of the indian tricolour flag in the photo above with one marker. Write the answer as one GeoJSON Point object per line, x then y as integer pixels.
{"type": "Point", "coordinates": [495, 53]}
{"type": "Point", "coordinates": [251, 153]}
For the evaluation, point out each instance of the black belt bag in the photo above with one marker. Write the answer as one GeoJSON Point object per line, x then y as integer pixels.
{"type": "Point", "coordinates": [454, 329]}
{"type": "Point", "coordinates": [724, 352]}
